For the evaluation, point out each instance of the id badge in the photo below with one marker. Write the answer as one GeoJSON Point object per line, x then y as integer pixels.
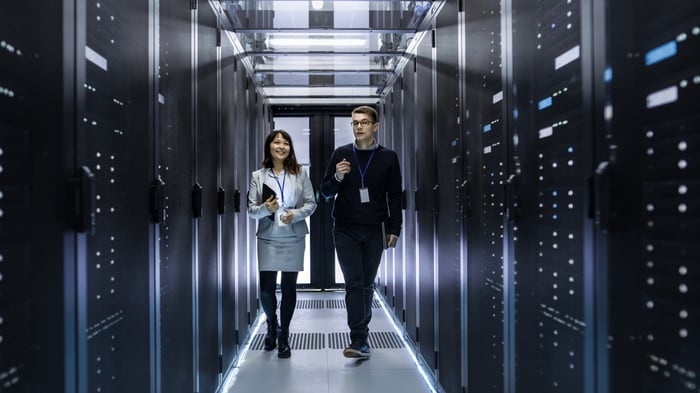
{"type": "Point", "coordinates": [364, 195]}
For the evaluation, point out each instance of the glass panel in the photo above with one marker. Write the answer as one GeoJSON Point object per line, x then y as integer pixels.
{"type": "Point", "coordinates": [328, 44]}
{"type": "Point", "coordinates": [298, 129]}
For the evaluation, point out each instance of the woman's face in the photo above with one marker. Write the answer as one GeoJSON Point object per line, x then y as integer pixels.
{"type": "Point", "coordinates": [279, 148]}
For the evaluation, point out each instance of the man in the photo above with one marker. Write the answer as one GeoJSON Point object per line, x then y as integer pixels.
{"type": "Point", "coordinates": [365, 179]}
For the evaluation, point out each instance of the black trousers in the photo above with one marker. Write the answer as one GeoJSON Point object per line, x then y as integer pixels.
{"type": "Point", "coordinates": [359, 249]}
{"type": "Point", "coordinates": [268, 296]}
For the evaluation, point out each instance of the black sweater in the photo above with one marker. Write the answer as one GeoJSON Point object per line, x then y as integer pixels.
{"type": "Point", "coordinates": [383, 180]}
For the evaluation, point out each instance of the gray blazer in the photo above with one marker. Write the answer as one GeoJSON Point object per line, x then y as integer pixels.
{"type": "Point", "coordinates": [304, 203]}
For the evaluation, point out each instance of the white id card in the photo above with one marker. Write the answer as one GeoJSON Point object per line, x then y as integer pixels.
{"type": "Point", "coordinates": [364, 195]}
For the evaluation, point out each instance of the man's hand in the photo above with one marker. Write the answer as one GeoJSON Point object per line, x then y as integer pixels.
{"type": "Point", "coordinates": [341, 168]}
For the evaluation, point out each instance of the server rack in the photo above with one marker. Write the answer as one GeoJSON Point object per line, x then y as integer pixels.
{"type": "Point", "coordinates": [43, 200]}
{"type": "Point", "coordinates": [652, 223]}
{"type": "Point", "coordinates": [448, 134]}
{"type": "Point", "coordinates": [175, 166]}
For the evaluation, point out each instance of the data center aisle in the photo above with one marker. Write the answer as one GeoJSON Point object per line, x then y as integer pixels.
{"type": "Point", "coordinates": [317, 337]}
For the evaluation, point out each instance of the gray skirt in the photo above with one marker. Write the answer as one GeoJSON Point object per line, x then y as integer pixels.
{"type": "Point", "coordinates": [284, 254]}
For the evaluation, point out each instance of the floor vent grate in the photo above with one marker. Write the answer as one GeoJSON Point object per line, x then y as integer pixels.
{"type": "Point", "coordinates": [310, 304]}
{"type": "Point", "coordinates": [307, 341]}
{"type": "Point", "coordinates": [383, 340]}
{"type": "Point", "coordinates": [338, 340]}
{"type": "Point", "coordinates": [376, 340]}
{"type": "Point", "coordinates": [340, 303]}
{"type": "Point", "coordinates": [335, 303]}
{"type": "Point", "coordinates": [299, 341]}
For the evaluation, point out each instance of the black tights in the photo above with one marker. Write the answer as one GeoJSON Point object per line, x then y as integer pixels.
{"type": "Point", "coordinates": [268, 296]}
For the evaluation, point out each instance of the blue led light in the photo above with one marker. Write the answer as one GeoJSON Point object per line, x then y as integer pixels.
{"type": "Point", "coordinates": [608, 74]}
{"type": "Point", "coordinates": [547, 102]}
{"type": "Point", "coordinates": [661, 53]}
{"type": "Point", "coordinates": [487, 128]}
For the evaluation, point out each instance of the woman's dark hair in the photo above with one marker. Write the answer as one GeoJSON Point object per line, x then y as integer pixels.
{"type": "Point", "coordinates": [290, 163]}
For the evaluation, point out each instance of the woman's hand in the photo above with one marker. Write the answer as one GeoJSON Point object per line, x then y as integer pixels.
{"type": "Point", "coordinates": [271, 204]}
{"type": "Point", "coordinates": [287, 217]}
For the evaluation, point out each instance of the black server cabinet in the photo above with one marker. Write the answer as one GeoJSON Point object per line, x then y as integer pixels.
{"type": "Point", "coordinates": [397, 254]}
{"type": "Point", "coordinates": [246, 278]}
{"type": "Point", "coordinates": [229, 197]}
{"type": "Point", "coordinates": [408, 168]}
{"type": "Point", "coordinates": [39, 224]}
{"type": "Point", "coordinates": [448, 145]}
{"type": "Point", "coordinates": [486, 169]}
{"type": "Point", "coordinates": [175, 114]}
{"type": "Point", "coordinates": [387, 274]}
{"type": "Point", "coordinates": [655, 90]}
{"type": "Point", "coordinates": [553, 244]}
{"type": "Point", "coordinates": [115, 142]}
{"type": "Point", "coordinates": [205, 201]}
{"type": "Point", "coordinates": [425, 201]}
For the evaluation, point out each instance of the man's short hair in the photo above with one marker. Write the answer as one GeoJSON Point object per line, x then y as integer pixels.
{"type": "Point", "coordinates": [368, 110]}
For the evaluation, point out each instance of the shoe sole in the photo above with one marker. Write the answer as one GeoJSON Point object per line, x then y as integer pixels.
{"type": "Point", "coordinates": [355, 354]}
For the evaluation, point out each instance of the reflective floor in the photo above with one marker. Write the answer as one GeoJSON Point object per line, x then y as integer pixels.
{"type": "Point", "coordinates": [318, 335]}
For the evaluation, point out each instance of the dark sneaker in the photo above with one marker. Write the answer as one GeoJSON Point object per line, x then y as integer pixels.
{"type": "Point", "coordinates": [358, 349]}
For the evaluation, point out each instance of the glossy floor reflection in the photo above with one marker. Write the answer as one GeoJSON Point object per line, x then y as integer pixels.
{"type": "Point", "coordinates": [317, 336]}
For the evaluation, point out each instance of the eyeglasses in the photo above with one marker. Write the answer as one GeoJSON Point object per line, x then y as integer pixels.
{"type": "Point", "coordinates": [364, 123]}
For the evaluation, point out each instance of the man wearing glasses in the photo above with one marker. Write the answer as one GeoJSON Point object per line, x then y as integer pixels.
{"type": "Point", "coordinates": [365, 179]}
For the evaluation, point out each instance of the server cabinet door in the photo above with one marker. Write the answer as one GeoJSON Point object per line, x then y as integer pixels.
{"type": "Point", "coordinates": [448, 145]}
{"type": "Point", "coordinates": [176, 170]}
{"type": "Point", "coordinates": [229, 149]}
{"type": "Point", "coordinates": [116, 144]}
{"type": "Point", "coordinates": [39, 243]}
{"type": "Point", "coordinates": [486, 147]}
{"type": "Point", "coordinates": [426, 202]}
{"type": "Point", "coordinates": [656, 187]}
{"type": "Point", "coordinates": [206, 175]}
{"type": "Point", "coordinates": [246, 277]}
{"type": "Point", "coordinates": [553, 243]}
{"type": "Point", "coordinates": [409, 168]}
{"type": "Point", "coordinates": [398, 253]}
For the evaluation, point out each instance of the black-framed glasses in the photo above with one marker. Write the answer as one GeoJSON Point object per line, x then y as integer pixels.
{"type": "Point", "coordinates": [363, 123]}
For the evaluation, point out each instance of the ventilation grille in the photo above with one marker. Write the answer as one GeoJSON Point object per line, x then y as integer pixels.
{"type": "Point", "coordinates": [340, 304]}
{"type": "Point", "coordinates": [311, 341]}
{"type": "Point", "coordinates": [298, 341]}
{"type": "Point", "coordinates": [310, 304]}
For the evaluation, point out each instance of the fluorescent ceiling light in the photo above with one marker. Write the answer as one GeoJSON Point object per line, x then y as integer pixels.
{"type": "Point", "coordinates": [317, 41]}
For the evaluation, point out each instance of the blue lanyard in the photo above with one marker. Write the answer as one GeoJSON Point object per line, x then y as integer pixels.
{"type": "Point", "coordinates": [362, 171]}
{"type": "Point", "coordinates": [281, 186]}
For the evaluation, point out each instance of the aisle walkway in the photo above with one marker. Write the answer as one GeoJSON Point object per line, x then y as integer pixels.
{"type": "Point", "coordinates": [317, 336]}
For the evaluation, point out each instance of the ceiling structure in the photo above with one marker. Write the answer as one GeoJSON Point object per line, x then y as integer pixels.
{"type": "Point", "coordinates": [326, 52]}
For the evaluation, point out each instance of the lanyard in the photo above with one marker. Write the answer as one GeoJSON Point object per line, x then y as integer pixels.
{"type": "Point", "coordinates": [281, 186]}
{"type": "Point", "coordinates": [363, 171]}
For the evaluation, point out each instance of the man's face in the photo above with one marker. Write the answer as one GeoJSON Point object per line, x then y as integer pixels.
{"type": "Point", "coordinates": [365, 129]}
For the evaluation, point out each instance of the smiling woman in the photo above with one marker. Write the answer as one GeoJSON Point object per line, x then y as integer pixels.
{"type": "Point", "coordinates": [281, 232]}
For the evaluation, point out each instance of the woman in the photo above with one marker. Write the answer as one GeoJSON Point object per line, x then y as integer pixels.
{"type": "Point", "coordinates": [280, 197]}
